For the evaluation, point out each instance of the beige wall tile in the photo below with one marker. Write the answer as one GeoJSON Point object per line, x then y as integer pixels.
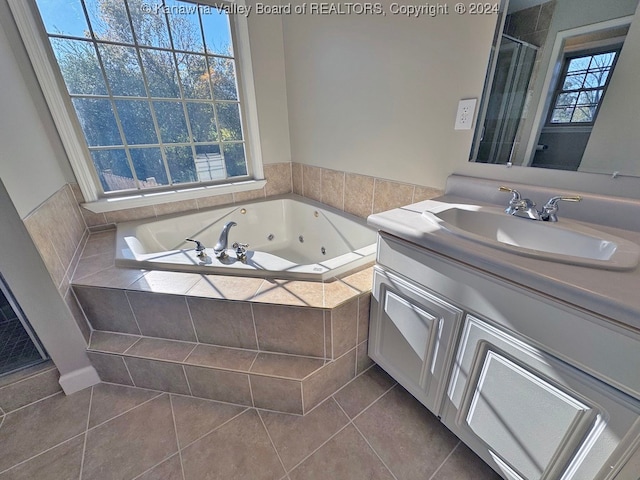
{"type": "Point", "coordinates": [222, 322]}
{"type": "Point", "coordinates": [226, 287]}
{"type": "Point", "coordinates": [219, 385]}
{"type": "Point", "coordinates": [363, 362]}
{"type": "Point", "coordinates": [361, 280]}
{"type": "Point", "coordinates": [129, 214]}
{"type": "Point", "coordinates": [296, 178]}
{"type": "Point", "coordinates": [277, 394]}
{"type": "Point", "coordinates": [333, 188]}
{"type": "Point", "coordinates": [290, 329]}
{"type": "Point", "coordinates": [157, 375]}
{"type": "Point", "coordinates": [161, 349]}
{"type": "Point", "coordinates": [327, 381]}
{"type": "Point", "coordinates": [337, 292]}
{"type": "Point", "coordinates": [278, 177]}
{"type": "Point", "coordinates": [39, 231]}
{"type": "Point", "coordinates": [215, 200]}
{"type": "Point", "coordinates": [285, 366]}
{"type": "Point", "coordinates": [388, 195]}
{"type": "Point", "coordinates": [364, 311]}
{"type": "Point", "coordinates": [111, 342]}
{"type": "Point", "coordinates": [100, 243]}
{"type": "Point", "coordinates": [247, 196]}
{"type": "Point", "coordinates": [163, 316]}
{"type": "Point", "coordinates": [107, 309]}
{"type": "Point", "coordinates": [110, 368]}
{"type": "Point", "coordinates": [92, 265]}
{"type": "Point", "coordinates": [344, 327]}
{"type": "Point", "coordinates": [112, 277]}
{"type": "Point", "coordinates": [78, 315]}
{"type": "Point", "coordinates": [159, 281]}
{"type": "Point", "coordinates": [358, 194]}
{"type": "Point", "coordinates": [220, 357]}
{"type": "Point", "coordinates": [175, 207]}
{"type": "Point", "coordinates": [312, 182]}
{"type": "Point", "coordinates": [426, 193]}
{"type": "Point", "coordinates": [291, 292]}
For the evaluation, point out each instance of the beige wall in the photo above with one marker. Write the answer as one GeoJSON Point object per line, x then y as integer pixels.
{"type": "Point", "coordinates": [614, 144]}
{"type": "Point", "coordinates": [377, 95]}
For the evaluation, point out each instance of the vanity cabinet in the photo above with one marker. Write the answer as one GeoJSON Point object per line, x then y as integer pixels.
{"type": "Point", "coordinates": [535, 387]}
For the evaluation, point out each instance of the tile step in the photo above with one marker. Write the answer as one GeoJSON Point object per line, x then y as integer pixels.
{"type": "Point", "coordinates": [273, 381]}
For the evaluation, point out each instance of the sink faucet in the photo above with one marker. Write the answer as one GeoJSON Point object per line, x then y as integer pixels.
{"type": "Point", "coordinates": [526, 208]}
{"type": "Point", "coordinates": [220, 249]}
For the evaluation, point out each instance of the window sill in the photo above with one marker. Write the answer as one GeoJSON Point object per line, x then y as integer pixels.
{"type": "Point", "coordinates": [146, 199]}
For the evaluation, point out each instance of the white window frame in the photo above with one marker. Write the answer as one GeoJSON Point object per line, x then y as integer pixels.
{"type": "Point", "coordinates": [44, 64]}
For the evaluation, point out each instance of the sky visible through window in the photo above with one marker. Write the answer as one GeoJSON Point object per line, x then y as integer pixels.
{"type": "Point", "coordinates": [153, 84]}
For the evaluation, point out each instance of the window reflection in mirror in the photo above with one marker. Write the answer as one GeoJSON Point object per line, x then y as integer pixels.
{"type": "Point", "coordinates": [534, 112]}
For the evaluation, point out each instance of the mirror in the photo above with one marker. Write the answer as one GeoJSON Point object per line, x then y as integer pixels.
{"type": "Point", "coordinates": [561, 88]}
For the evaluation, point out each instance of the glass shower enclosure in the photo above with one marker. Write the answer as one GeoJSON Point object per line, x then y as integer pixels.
{"type": "Point", "coordinates": [505, 104]}
{"type": "Point", "coordinates": [19, 346]}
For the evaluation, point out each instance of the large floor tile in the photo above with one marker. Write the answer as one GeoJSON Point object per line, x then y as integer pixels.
{"type": "Point", "coordinates": [132, 443]}
{"type": "Point", "coordinates": [239, 450]}
{"type": "Point", "coordinates": [110, 400]}
{"type": "Point", "coordinates": [364, 390]}
{"type": "Point", "coordinates": [296, 437]}
{"type": "Point", "coordinates": [168, 470]}
{"type": "Point", "coordinates": [345, 456]}
{"type": "Point", "coordinates": [42, 425]}
{"type": "Point", "coordinates": [463, 463]}
{"type": "Point", "coordinates": [409, 439]}
{"type": "Point", "coordinates": [60, 463]}
{"type": "Point", "coordinates": [195, 417]}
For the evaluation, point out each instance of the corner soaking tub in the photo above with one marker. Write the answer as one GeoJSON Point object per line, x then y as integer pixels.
{"type": "Point", "coordinates": [288, 237]}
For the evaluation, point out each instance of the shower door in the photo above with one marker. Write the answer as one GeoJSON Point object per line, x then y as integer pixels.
{"type": "Point", "coordinates": [19, 346]}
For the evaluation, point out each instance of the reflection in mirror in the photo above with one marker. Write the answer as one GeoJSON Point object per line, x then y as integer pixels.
{"type": "Point", "coordinates": [555, 69]}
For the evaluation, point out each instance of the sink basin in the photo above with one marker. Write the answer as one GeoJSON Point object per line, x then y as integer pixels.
{"type": "Point", "coordinates": [564, 241]}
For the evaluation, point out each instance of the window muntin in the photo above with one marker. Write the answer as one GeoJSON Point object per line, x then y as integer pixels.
{"type": "Point", "coordinates": [154, 87]}
{"type": "Point", "coordinates": [581, 87]}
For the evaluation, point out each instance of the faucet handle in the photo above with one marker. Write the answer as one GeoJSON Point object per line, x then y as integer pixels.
{"type": "Point", "coordinates": [199, 246]}
{"type": "Point", "coordinates": [516, 200]}
{"type": "Point", "coordinates": [550, 208]}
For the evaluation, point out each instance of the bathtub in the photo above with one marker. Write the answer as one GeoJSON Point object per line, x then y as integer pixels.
{"type": "Point", "coordinates": [288, 237]}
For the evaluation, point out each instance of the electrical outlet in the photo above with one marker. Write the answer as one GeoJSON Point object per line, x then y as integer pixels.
{"type": "Point", "coordinates": [464, 117]}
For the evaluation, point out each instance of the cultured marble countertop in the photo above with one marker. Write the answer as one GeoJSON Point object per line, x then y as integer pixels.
{"type": "Point", "coordinates": [608, 293]}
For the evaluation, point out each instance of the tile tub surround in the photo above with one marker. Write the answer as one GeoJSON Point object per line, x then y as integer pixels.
{"type": "Point", "coordinates": [370, 429]}
{"type": "Point", "coordinates": [275, 344]}
{"type": "Point", "coordinates": [357, 194]}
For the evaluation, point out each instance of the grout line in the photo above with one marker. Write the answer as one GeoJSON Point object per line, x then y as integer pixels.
{"type": "Point", "coordinates": [272, 443]}
{"type": "Point", "coordinates": [445, 460]}
{"type": "Point", "coordinates": [184, 371]}
{"type": "Point", "coordinates": [159, 394]}
{"type": "Point", "coordinates": [253, 403]}
{"type": "Point", "coordinates": [189, 354]}
{"type": "Point", "coordinates": [156, 465]}
{"type": "Point", "coordinates": [130, 346]}
{"type": "Point", "coordinates": [133, 313]}
{"type": "Point", "coordinates": [39, 454]}
{"type": "Point", "coordinates": [59, 392]}
{"type": "Point", "coordinates": [219, 426]}
{"type": "Point", "coordinates": [253, 319]}
{"type": "Point", "coordinates": [375, 401]}
{"type": "Point", "coordinates": [128, 371]}
{"type": "Point", "coordinates": [175, 429]}
{"type": "Point", "coordinates": [320, 446]}
{"type": "Point", "coordinates": [86, 434]}
{"type": "Point", "coordinates": [193, 325]}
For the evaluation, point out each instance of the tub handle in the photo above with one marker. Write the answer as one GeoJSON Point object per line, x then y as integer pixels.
{"type": "Point", "coordinates": [241, 250]}
{"type": "Point", "coordinates": [199, 246]}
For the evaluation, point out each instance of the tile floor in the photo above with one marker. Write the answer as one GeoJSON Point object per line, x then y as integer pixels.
{"type": "Point", "coordinates": [371, 429]}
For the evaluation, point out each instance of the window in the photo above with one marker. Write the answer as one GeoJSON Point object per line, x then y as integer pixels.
{"type": "Point", "coordinates": [155, 89]}
{"type": "Point", "coordinates": [581, 87]}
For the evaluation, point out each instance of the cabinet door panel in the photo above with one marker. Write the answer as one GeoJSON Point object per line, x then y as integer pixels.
{"type": "Point", "coordinates": [411, 336]}
{"type": "Point", "coordinates": [522, 417]}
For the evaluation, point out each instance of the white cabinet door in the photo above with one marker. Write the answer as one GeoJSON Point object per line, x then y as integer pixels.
{"type": "Point", "coordinates": [410, 336]}
{"type": "Point", "coordinates": [529, 415]}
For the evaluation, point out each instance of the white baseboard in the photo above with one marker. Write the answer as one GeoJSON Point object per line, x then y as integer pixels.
{"type": "Point", "coordinates": [79, 380]}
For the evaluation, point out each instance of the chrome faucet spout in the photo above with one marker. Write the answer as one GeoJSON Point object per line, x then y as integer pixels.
{"type": "Point", "coordinates": [220, 249]}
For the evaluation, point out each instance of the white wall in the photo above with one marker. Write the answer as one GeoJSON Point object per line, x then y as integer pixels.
{"type": "Point", "coordinates": [377, 95]}
{"type": "Point", "coordinates": [614, 144]}
{"type": "Point", "coordinates": [33, 165]}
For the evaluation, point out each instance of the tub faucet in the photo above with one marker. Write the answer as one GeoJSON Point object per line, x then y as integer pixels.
{"type": "Point", "coordinates": [220, 249]}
